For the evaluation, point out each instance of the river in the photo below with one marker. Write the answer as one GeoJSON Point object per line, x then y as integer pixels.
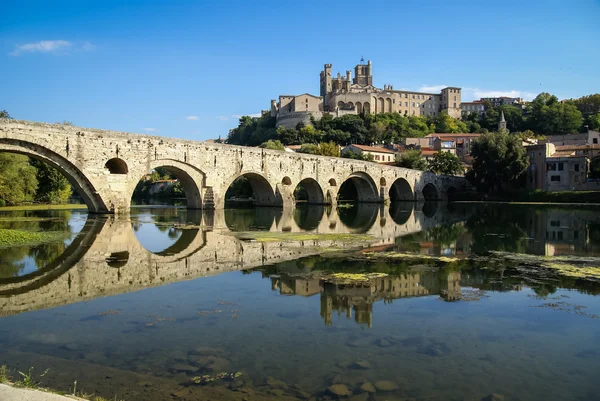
{"type": "Point", "coordinates": [408, 302]}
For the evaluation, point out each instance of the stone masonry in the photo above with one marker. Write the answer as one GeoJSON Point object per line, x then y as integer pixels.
{"type": "Point", "coordinates": [105, 166]}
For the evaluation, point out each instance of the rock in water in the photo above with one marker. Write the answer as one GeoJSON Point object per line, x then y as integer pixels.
{"type": "Point", "coordinates": [341, 390]}
{"type": "Point", "coordinates": [276, 383]}
{"type": "Point", "coordinates": [368, 387]}
{"type": "Point", "coordinates": [360, 397]}
{"type": "Point", "coordinates": [386, 385]}
{"type": "Point", "coordinates": [493, 397]}
{"type": "Point", "coordinates": [361, 365]}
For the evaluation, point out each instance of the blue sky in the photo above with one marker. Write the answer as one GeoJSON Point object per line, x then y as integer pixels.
{"type": "Point", "coordinates": [188, 69]}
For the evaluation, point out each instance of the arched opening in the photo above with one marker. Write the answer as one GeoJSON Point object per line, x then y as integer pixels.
{"type": "Point", "coordinates": [359, 187]}
{"type": "Point", "coordinates": [80, 184]}
{"type": "Point", "coordinates": [309, 191]}
{"type": "Point", "coordinates": [594, 168]}
{"type": "Point", "coordinates": [359, 217]}
{"type": "Point", "coordinates": [430, 192]}
{"type": "Point", "coordinates": [382, 182]}
{"type": "Point", "coordinates": [170, 184]}
{"type": "Point", "coordinates": [117, 259]}
{"type": "Point", "coordinates": [400, 191]}
{"type": "Point", "coordinates": [380, 105]}
{"type": "Point", "coordinates": [451, 194]}
{"type": "Point", "coordinates": [366, 108]}
{"type": "Point", "coordinates": [167, 231]}
{"type": "Point", "coordinates": [400, 212]}
{"type": "Point", "coordinates": [261, 218]}
{"type": "Point", "coordinates": [286, 181]}
{"type": "Point", "coordinates": [388, 103]}
{"type": "Point", "coordinates": [359, 108]}
{"type": "Point", "coordinates": [430, 209]}
{"type": "Point", "coordinates": [340, 105]}
{"type": "Point", "coordinates": [308, 217]}
{"type": "Point", "coordinates": [251, 189]}
{"type": "Point", "coordinates": [116, 166]}
{"type": "Point", "coordinates": [332, 182]}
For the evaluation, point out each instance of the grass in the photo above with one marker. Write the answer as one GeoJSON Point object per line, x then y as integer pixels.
{"type": "Point", "coordinates": [30, 383]}
{"type": "Point", "coordinates": [262, 236]}
{"type": "Point", "coordinates": [42, 207]}
{"type": "Point", "coordinates": [28, 238]}
{"type": "Point", "coordinates": [3, 374]}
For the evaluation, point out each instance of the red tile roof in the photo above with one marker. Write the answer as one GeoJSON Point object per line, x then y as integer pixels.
{"type": "Point", "coordinates": [366, 148]}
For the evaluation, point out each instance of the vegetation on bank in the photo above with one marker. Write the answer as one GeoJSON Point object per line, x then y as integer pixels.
{"type": "Point", "coordinates": [173, 191]}
{"type": "Point", "coordinates": [28, 381]}
{"type": "Point", "coordinates": [10, 237]}
{"type": "Point", "coordinates": [67, 206]}
{"type": "Point", "coordinates": [26, 180]}
{"type": "Point", "coordinates": [536, 196]}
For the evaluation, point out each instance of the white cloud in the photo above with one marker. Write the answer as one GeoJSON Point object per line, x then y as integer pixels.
{"type": "Point", "coordinates": [192, 118]}
{"type": "Point", "coordinates": [51, 47]}
{"type": "Point", "coordinates": [151, 129]}
{"type": "Point", "coordinates": [431, 88]}
{"type": "Point", "coordinates": [222, 118]}
{"type": "Point", "coordinates": [238, 116]}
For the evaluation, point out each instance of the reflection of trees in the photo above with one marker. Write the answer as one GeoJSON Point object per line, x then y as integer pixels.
{"type": "Point", "coordinates": [499, 229]}
{"type": "Point", "coordinates": [11, 259]}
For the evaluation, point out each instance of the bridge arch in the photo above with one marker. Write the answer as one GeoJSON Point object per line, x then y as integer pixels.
{"type": "Point", "coordinates": [79, 182]}
{"type": "Point", "coordinates": [312, 192]}
{"type": "Point", "coordinates": [263, 192]}
{"type": "Point", "coordinates": [191, 178]}
{"type": "Point", "coordinates": [430, 192]}
{"type": "Point", "coordinates": [116, 166]}
{"type": "Point", "coordinates": [359, 187]}
{"type": "Point", "coordinates": [401, 191]}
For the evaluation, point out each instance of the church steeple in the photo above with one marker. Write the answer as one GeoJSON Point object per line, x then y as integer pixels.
{"type": "Point", "coordinates": [502, 123]}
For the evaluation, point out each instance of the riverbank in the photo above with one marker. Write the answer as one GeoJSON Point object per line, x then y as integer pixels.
{"type": "Point", "coordinates": [69, 206]}
{"type": "Point", "coordinates": [10, 393]}
{"type": "Point", "coordinates": [532, 197]}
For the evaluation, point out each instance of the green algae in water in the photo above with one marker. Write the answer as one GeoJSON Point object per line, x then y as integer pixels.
{"type": "Point", "coordinates": [293, 237]}
{"type": "Point", "coordinates": [10, 238]}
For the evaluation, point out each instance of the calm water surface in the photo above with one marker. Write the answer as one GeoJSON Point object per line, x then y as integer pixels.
{"type": "Point", "coordinates": [137, 306]}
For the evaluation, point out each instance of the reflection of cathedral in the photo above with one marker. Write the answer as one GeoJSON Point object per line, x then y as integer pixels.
{"type": "Point", "coordinates": [360, 297]}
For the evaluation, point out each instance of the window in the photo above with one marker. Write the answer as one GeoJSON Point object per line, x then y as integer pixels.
{"type": "Point", "coordinates": [454, 105]}
{"type": "Point", "coordinates": [376, 157]}
{"type": "Point", "coordinates": [575, 167]}
{"type": "Point", "coordinates": [413, 96]}
{"type": "Point", "coordinates": [595, 140]}
{"type": "Point", "coordinates": [561, 166]}
{"type": "Point", "coordinates": [555, 178]}
{"type": "Point", "coordinates": [551, 167]}
{"type": "Point", "coordinates": [532, 156]}
{"type": "Point", "coordinates": [413, 104]}
{"type": "Point", "coordinates": [418, 105]}
{"type": "Point", "coordinates": [406, 95]}
{"type": "Point", "coordinates": [406, 104]}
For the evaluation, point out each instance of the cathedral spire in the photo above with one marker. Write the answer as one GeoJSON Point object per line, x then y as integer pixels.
{"type": "Point", "coordinates": [502, 123]}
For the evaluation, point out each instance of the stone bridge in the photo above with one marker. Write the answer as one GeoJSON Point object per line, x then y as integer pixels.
{"type": "Point", "coordinates": [104, 167]}
{"type": "Point", "coordinates": [107, 259]}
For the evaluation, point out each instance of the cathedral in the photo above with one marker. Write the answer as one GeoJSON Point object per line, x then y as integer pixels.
{"type": "Point", "coordinates": [357, 95]}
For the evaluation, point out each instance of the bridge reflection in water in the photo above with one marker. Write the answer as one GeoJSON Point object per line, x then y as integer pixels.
{"type": "Point", "coordinates": [106, 258]}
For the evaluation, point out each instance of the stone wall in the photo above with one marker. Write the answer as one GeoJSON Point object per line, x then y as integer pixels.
{"type": "Point", "coordinates": [105, 166]}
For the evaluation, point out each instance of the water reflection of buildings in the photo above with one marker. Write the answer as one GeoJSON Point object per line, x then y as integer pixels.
{"type": "Point", "coordinates": [564, 232]}
{"type": "Point", "coordinates": [358, 298]}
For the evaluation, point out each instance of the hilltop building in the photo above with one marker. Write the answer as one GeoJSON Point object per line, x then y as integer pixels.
{"type": "Point", "coordinates": [342, 95]}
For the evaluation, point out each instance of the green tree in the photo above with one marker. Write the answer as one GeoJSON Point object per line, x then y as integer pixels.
{"type": "Point", "coordinates": [448, 124]}
{"type": "Point", "coordinates": [548, 116]}
{"type": "Point", "coordinates": [52, 187]}
{"type": "Point", "coordinates": [445, 163]}
{"type": "Point", "coordinates": [499, 160]}
{"type": "Point", "coordinates": [412, 159]}
{"type": "Point", "coordinates": [273, 145]}
{"type": "Point", "coordinates": [588, 104]}
{"type": "Point", "coordinates": [4, 114]}
{"type": "Point", "coordinates": [593, 121]}
{"type": "Point", "coordinates": [310, 148]}
{"type": "Point", "coordinates": [18, 181]}
{"type": "Point", "coordinates": [329, 149]}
